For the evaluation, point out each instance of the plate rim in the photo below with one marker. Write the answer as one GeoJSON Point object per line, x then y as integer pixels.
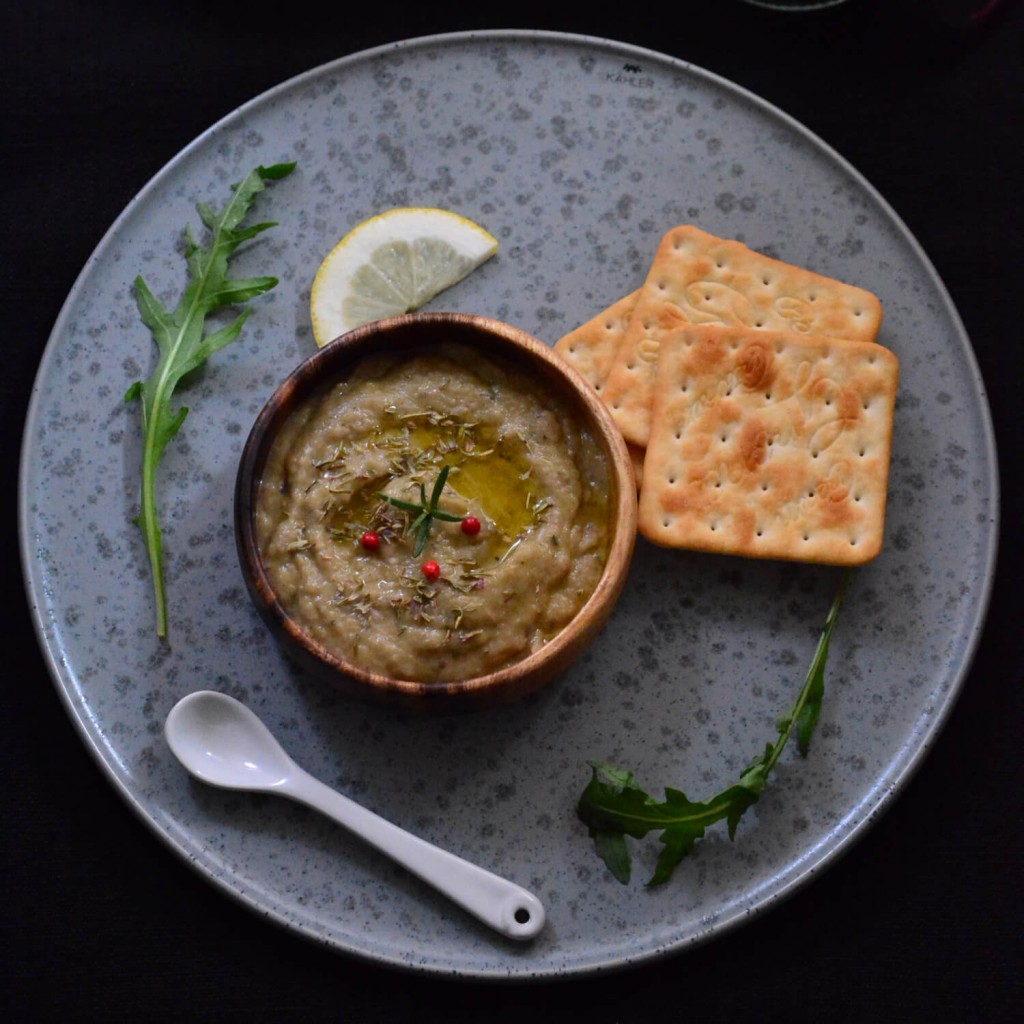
{"type": "Point", "coordinates": [835, 843]}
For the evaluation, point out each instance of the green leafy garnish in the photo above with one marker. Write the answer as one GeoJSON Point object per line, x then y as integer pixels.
{"type": "Point", "coordinates": [184, 345]}
{"type": "Point", "coordinates": [613, 806]}
{"type": "Point", "coordinates": [425, 511]}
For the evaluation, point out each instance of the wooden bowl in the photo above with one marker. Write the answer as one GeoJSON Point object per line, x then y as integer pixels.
{"type": "Point", "coordinates": [417, 334]}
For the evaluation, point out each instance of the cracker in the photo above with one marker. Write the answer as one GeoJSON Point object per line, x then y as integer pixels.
{"type": "Point", "coordinates": [769, 444]}
{"type": "Point", "coordinates": [698, 278]}
{"type": "Point", "coordinates": [591, 347]}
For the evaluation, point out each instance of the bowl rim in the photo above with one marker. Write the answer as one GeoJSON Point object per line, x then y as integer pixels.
{"type": "Point", "coordinates": [397, 334]}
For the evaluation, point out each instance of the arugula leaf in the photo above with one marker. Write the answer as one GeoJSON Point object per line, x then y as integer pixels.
{"type": "Point", "coordinates": [184, 347]}
{"type": "Point", "coordinates": [613, 806]}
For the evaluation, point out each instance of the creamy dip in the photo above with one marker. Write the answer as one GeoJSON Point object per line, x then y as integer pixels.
{"type": "Point", "coordinates": [520, 462]}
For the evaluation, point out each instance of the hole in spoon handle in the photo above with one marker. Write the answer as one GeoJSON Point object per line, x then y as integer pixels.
{"type": "Point", "coordinates": [526, 918]}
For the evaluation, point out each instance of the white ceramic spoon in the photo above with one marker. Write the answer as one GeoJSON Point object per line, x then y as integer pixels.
{"type": "Point", "coordinates": [223, 743]}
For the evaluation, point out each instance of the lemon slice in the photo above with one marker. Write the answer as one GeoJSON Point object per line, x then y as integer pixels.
{"type": "Point", "coordinates": [394, 263]}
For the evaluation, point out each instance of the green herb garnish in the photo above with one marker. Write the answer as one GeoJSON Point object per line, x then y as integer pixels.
{"type": "Point", "coordinates": [613, 806]}
{"type": "Point", "coordinates": [425, 511]}
{"type": "Point", "coordinates": [184, 346]}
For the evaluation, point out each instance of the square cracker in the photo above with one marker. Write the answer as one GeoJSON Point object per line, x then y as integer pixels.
{"type": "Point", "coordinates": [591, 347]}
{"type": "Point", "coordinates": [769, 444]}
{"type": "Point", "coordinates": [698, 278]}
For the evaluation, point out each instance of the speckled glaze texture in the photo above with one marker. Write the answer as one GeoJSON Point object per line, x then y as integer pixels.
{"type": "Point", "coordinates": [577, 154]}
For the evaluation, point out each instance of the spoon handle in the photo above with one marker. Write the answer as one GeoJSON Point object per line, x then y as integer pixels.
{"type": "Point", "coordinates": [508, 908]}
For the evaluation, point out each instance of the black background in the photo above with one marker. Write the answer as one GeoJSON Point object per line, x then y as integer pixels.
{"type": "Point", "coordinates": [921, 920]}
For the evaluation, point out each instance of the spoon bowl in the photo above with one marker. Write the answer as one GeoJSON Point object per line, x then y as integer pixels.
{"type": "Point", "coordinates": [223, 743]}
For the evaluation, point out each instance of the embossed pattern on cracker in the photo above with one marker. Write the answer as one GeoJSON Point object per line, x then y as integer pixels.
{"type": "Point", "coordinates": [699, 278]}
{"type": "Point", "coordinates": [769, 444]}
{"type": "Point", "coordinates": [591, 347]}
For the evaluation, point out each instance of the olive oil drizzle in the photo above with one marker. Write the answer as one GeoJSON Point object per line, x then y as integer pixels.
{"type": "Point", "coordinates": [486, 468]}
{"type": "Point", "coordinates": [489, 471]}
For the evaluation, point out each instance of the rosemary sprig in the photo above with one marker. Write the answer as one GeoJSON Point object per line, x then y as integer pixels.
{"type": "Point", "coordinates": [426, 511]}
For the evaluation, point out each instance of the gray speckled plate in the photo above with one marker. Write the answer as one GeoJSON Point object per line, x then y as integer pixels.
{"type": "Point", "coordinates": [577, 154]}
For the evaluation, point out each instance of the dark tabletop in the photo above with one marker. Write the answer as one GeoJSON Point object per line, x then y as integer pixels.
{"type": "Point", "coordinates": [920, 920]}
